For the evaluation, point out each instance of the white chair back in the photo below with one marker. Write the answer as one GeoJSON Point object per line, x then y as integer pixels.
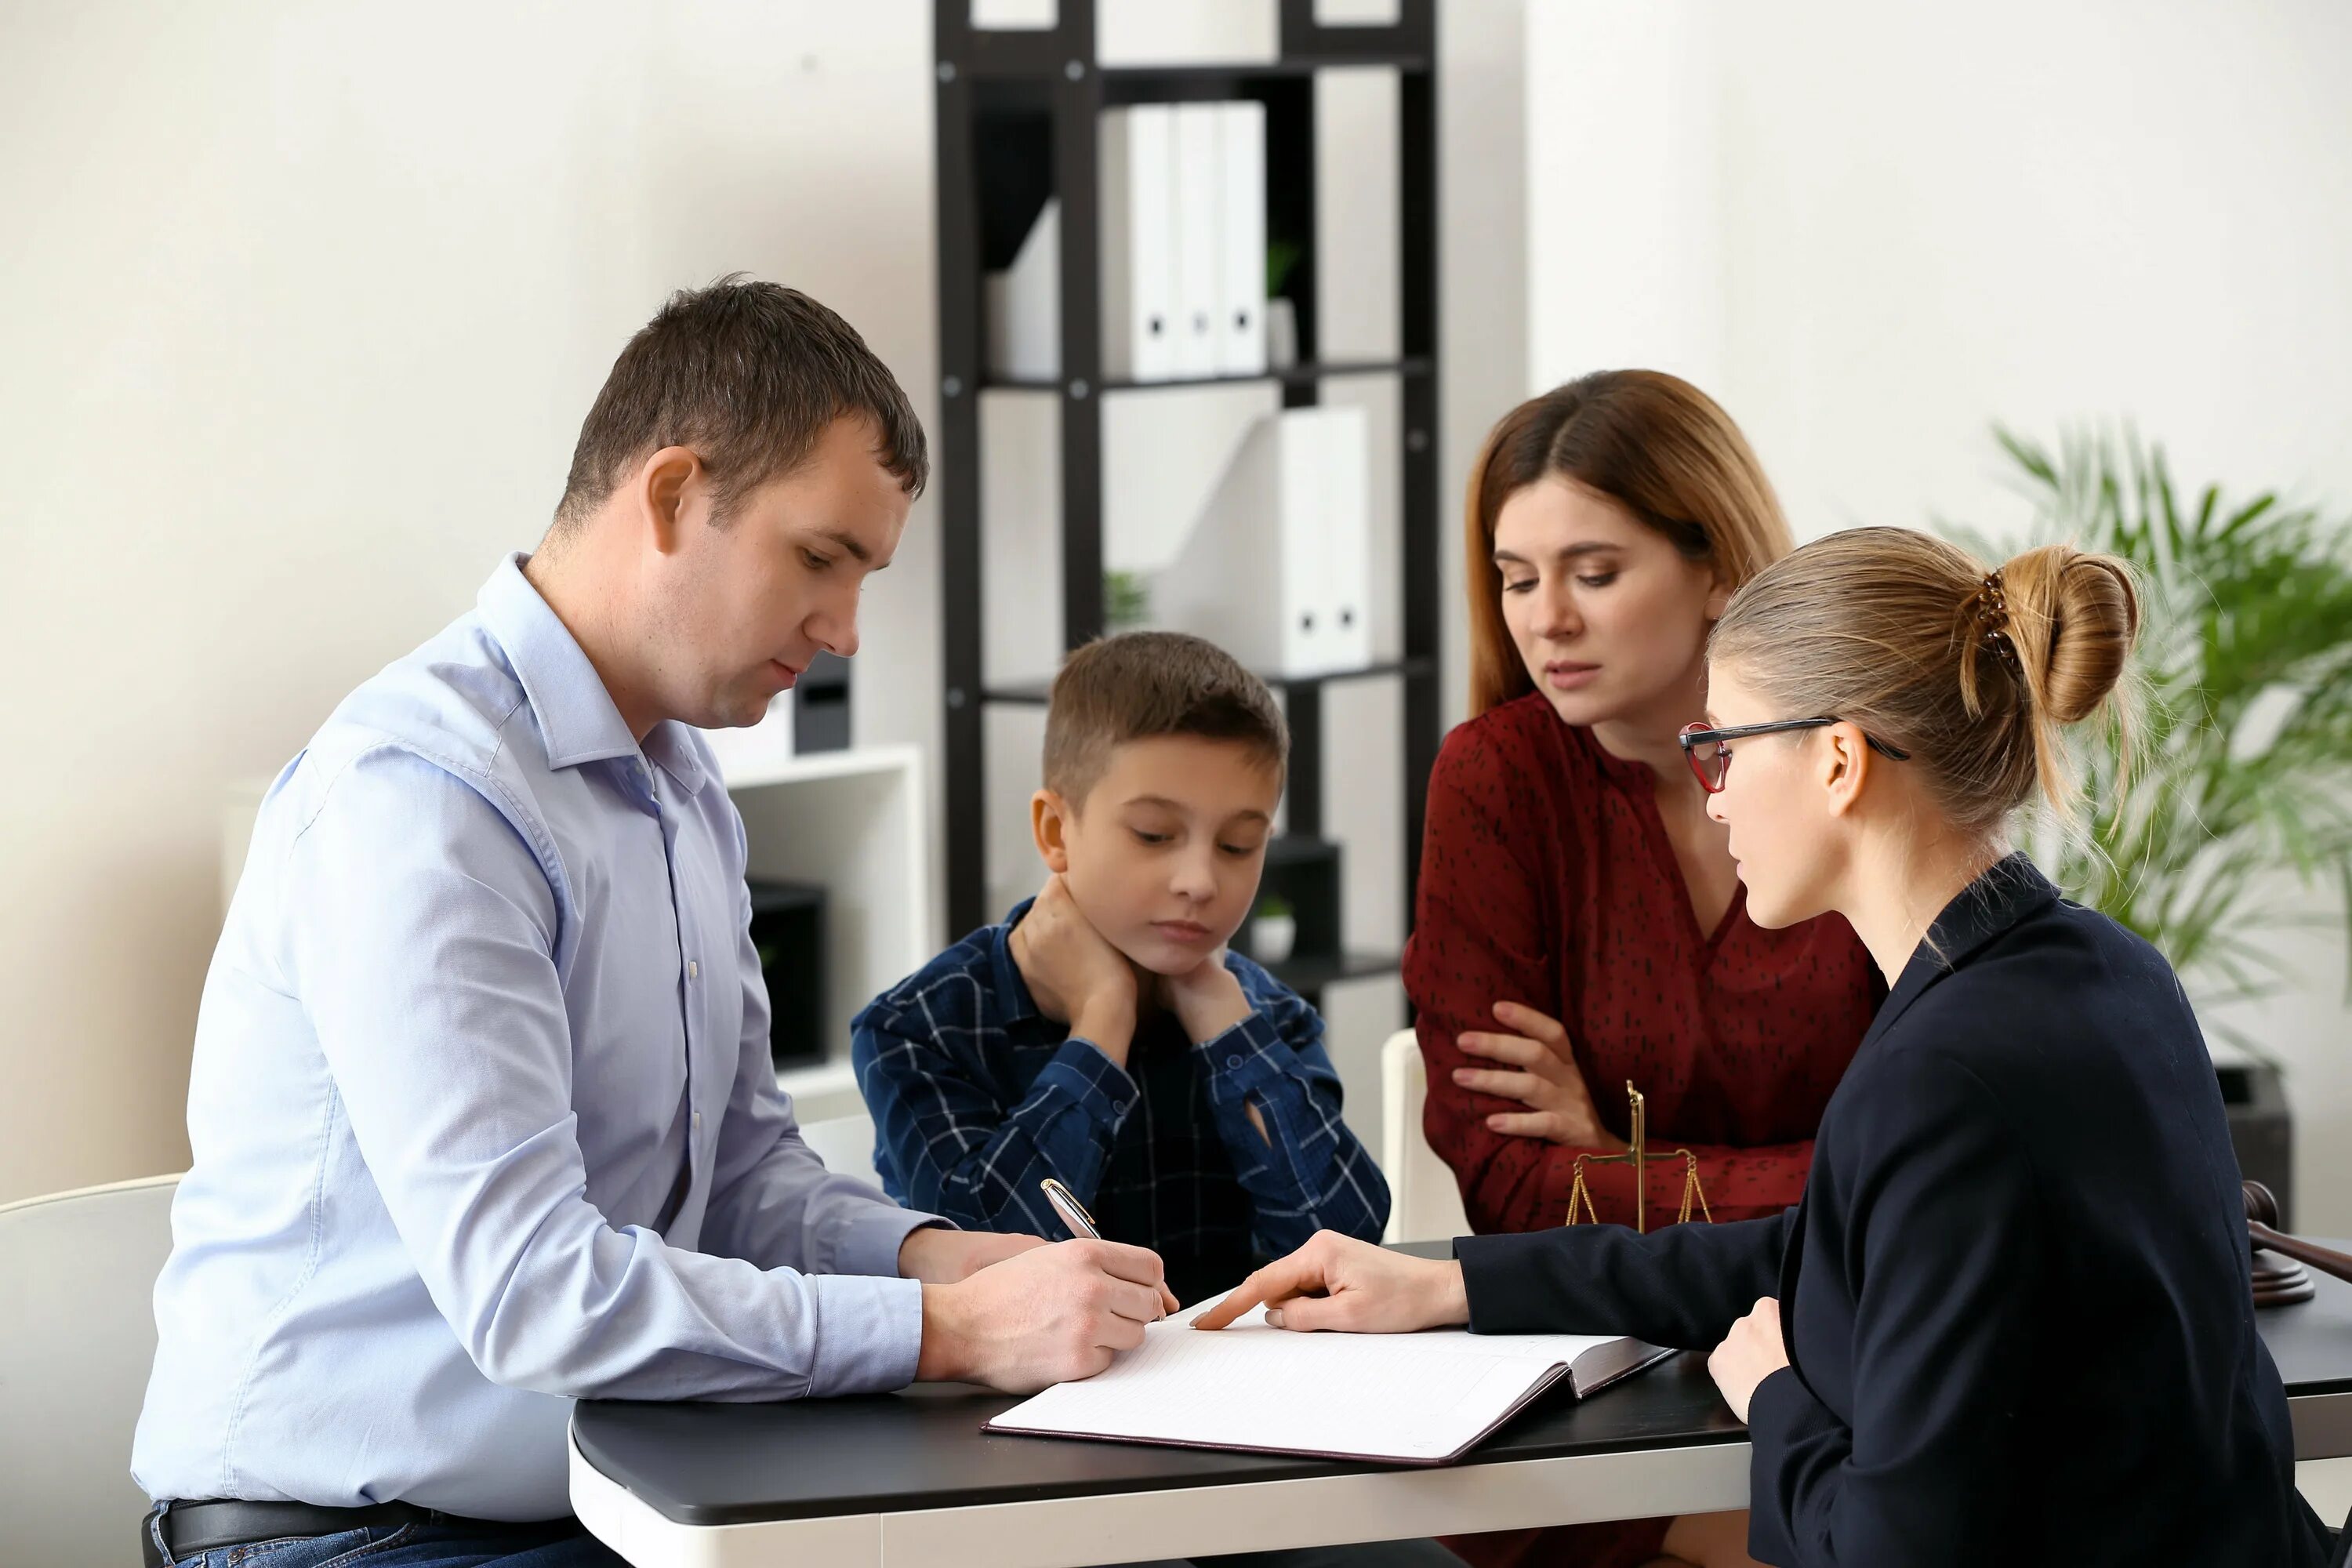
{"type": "Point", "coordinates": [845, 1144]}
{"type": "Point", "coordinates": [1425, 1203]}
{"type": "Point", "coordinates": [76, 1341]}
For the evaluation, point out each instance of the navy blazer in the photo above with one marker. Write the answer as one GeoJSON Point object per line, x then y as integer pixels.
{"type": "Point", "coordinates": [2015, 1294]}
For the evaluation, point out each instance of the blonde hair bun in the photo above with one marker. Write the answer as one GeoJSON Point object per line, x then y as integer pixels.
{"type": "Point", "coordinates": [2073, 618]}
{"type": "Point", "coordinates": [1975, 674]}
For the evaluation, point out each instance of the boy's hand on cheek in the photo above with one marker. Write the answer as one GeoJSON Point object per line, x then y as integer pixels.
{"type": "Point", "coordinates": [1074, 975]}
{"type": "Point", "coordinates": [1206, 1000]}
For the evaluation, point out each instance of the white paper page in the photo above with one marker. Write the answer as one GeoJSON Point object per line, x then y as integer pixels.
{"type": "Point", "coordinates": [1408, 1396]}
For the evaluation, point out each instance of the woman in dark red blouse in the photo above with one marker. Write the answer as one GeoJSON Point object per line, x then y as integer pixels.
{"type": "Point", "coordinates": [1579, 921]}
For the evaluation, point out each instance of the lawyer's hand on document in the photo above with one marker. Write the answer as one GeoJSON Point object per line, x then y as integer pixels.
{"type": "Point", "coordinates": [1336, 1282]}
{"type": "Point", "coordinates": [1536, 1066]}
{"type": "Point", "coordinates": [1046, 1315]}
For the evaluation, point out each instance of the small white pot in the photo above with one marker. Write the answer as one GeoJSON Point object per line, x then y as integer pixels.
{"type": "Point", "coordinates": [1272, 937]}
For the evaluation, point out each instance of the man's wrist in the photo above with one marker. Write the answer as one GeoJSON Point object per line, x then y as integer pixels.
{"type": "Point", "coordinates": [945, 1356]}
{"type": "Point", "coordinates": [920, 1252]}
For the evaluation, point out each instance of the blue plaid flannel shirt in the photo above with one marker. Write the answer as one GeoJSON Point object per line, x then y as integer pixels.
{"type": "Point", "coordinates": [977, 1097]}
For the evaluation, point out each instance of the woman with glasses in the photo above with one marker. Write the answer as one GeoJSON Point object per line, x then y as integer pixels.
{"type": "Point", "coordinates": [1579, 924]}
{"type": "Point", "coordinates": [2011, 1318]}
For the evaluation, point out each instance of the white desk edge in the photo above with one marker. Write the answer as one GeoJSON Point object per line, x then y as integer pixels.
{"type": "Point", "coordinates": [1179, 1522]}
{"type": "Point", "coordinates": [1071, 1532]}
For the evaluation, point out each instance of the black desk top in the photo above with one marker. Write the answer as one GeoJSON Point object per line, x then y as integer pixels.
{"type": "Point", "coordinates": [923, 1448]}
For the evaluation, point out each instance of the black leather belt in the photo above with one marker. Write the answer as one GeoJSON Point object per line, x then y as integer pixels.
{"type": "Point", "coordinates": [187, 1529]}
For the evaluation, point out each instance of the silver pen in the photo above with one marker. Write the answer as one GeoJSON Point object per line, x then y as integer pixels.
{"type": "Point", "coordinates": [1073, 1215]}
{"type": "Point", "coordinates": [1079, 1223]}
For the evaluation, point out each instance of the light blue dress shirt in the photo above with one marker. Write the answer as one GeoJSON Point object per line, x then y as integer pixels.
{"type": "Point", "coordinates": [485, 996]}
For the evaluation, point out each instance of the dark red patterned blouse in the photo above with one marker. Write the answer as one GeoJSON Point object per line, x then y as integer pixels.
{"type": "Point", "coordinates": [1547, 878]}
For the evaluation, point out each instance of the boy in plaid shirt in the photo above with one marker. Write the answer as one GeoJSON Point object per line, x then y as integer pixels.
{"type": "Point", "coordinates": [1103, 1034]}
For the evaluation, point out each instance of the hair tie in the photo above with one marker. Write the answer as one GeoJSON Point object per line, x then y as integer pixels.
{"type": "Point", "coordinates": [1989, 606]}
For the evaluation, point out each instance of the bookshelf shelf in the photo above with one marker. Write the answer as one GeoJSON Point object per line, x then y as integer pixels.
{"type": "Point", "coordinates": [1032, 694]}
{"type": "Point", "coordinates": [1290, 375]}
{"type": "Point", "coordinates": [1310, 976]}
{"type": "Point", "coordinates": [1018, 112]}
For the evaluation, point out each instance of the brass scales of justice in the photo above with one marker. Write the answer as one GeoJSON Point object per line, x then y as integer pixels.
{"type": "Point", "coordinates": [1637, 1154]}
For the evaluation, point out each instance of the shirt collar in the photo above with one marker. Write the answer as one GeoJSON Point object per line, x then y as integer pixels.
{"type": "Point", "coordinates": [1012, 989]}
{"type": "Point", "coordinates": [2012, 889]}
{"type": "Point", "coordinates": [575, 713]}
{"type": "Point", "coordinates": [671, 749]}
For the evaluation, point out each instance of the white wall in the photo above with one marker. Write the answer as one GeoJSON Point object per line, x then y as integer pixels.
{"type": "Point", "coordinates": [303, 305]}
{"type": "Point", "coordinates": [1872, 230]}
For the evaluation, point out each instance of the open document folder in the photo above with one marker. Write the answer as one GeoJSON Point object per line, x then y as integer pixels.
{"type": "Point", "coordinates": [1405, 1399]}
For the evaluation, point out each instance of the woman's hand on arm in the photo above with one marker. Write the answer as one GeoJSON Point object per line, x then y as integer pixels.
{"type": "Point", "coordinates": [1536, 1066]}
{"type": "Point", "coordinates": [1752, 1351]}
{"type": "Point", "coordinates": [1336, 1282]}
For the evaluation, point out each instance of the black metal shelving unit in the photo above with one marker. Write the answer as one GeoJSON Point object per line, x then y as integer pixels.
{"type": "Point", "coordinates": [1017, 122]}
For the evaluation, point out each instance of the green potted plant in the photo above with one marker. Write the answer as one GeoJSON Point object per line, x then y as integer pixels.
{"type": "Point", "coordinates": [2242, 776]}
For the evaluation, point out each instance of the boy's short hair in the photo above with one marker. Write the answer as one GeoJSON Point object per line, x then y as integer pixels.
{"type": "Point", "coordinates": [749, 375]}
{"type": "Point", "coordinates": [1139, 685]}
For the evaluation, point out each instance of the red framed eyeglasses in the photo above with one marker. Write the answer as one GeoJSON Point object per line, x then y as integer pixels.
{"type": "Point", "coordinates": [1708, 750]}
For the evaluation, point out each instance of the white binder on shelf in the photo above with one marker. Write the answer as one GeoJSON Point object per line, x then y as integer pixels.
{"type": "Point", "coordinates": [1200, 254]}
{"type": "Point", "coordinates": [1137, 185]}
{"type": "Point", "coordinates": [1023, 305]}
{"type": "Point", "coordinates": [1344, 622]}
{"type": "Point", "coordinates": [1274, 572]}
{"type": "Point", "coordinates": [1241, 239]}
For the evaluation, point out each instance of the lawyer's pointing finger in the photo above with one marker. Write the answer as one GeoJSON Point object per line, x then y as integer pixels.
{"type": "Point", "coordinates": [1278, 1281]}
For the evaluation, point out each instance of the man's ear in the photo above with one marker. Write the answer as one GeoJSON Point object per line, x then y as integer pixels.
{"type": "Point", "coordinates": [1845, 765]}
{"type": "Point", "coordinates": [665, 486]}
{"type": "Point", "coordinates": [1049, 824]}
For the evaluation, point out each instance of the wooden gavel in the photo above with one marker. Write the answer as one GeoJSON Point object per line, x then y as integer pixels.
{"type": "Point", "coordinates": [2283, 1283]}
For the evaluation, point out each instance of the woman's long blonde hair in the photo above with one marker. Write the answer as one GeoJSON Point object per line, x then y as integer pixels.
{"type": "Point", "coordinates": [1651, 442]}
{"type": "Point", "coordinates": [1976, 675]}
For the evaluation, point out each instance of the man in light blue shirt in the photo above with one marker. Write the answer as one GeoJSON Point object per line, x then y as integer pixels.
{"type": "Point", "coordinates": [481, 1107]}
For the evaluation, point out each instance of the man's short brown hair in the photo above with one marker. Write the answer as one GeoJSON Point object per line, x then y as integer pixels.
{"type": "Point", "coordinates": [1141, 685]}
{"type": "Point", "coordinates": [749, 375]}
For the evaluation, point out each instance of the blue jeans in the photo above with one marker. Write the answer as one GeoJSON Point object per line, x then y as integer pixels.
{"type": "Point", "coordinates": [563, 1544]}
